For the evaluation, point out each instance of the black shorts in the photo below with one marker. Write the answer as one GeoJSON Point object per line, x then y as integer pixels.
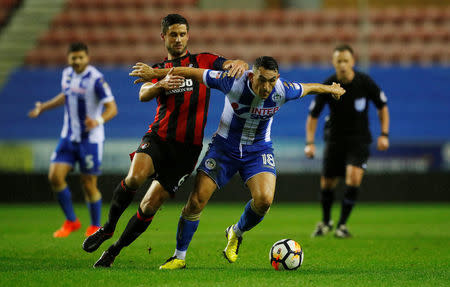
{"type": "Point", "coordinates": [338, 155]}
{"type": "Point", "coordinates": [173, 161]}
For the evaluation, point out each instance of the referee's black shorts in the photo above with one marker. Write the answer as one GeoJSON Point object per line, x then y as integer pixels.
{"type": "Point", "coordinates": [338, 155]}
{"type": "Point", "coordinates": [173, 161]}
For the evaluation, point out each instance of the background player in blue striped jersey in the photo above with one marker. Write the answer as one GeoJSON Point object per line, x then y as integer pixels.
{"type": "Point", "coordinates": [84, 94]}
{"type": "Point", "coordinates": [241, 144]}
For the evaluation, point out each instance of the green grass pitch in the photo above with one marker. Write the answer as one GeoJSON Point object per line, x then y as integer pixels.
{"type": "Point", "coordinates": [393, 245]}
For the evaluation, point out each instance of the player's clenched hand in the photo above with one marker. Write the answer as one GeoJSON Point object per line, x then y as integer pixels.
{"type": "Point", "coordinates": [337, 91]}
{"type": "Point", "coordinates": [90, 123]}
{"type": "Point", "coordinates": [383, 143]}
{"type": "Point", "coordinates": [310, 150]}
{"type": "Point", "coordinates": [34, 113]}
{"type": "Point", "coordinates": [171, 81]}
{"type": "Point", "coordinates": [236, 68]}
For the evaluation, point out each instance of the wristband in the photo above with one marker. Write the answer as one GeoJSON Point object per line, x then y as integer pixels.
{"type": "Point", "coordinates": [100, 120]}
{"type": "Point", "coordinates": [309, 143]}
{"type": "Point", "coordinates": [384, 134]}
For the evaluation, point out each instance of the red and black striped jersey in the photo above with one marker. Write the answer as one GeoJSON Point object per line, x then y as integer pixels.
{"type": "Point", "coordinates": [181, 113]}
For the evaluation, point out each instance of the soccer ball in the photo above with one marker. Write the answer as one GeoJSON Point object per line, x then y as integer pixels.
{"type": "Point", "coordinates": [286, 254]}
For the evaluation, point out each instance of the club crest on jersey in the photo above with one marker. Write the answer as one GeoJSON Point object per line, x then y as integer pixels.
{"type": "Point", "coordinates": [360, 104]}
{"type": "Point", "coordinates": [210, 163]}
{"type": "Point", "coordinates": [215, 74]}
{"type": "Point", "coordinates": [144, 145]}
{"type": "Point", "coordinates": [276, 97]}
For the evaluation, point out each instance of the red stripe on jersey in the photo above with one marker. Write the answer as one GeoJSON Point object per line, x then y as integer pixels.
{"type": "Point", "coordinates": [180, 134]}
{"type": "Point", "coordinates": [164, 122]}
{"type": "Point", "coordinates": [200, 116]}
{"type": "Point", "coordinates": [156, 116]}
{"type": "Point", "coordinates": [206, 61]}
{"type": "Point", "coordinates": [183, 117]}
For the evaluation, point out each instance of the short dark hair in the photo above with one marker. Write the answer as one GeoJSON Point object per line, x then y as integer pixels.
{"type": "Point", "coordinates": [267, 63]}
{"type": "Point", "coordinates": [173, 19]}
{"type": "Point", "coordinates": [77, 46]}
{"type": "Point", "coordinates": [344, 47]}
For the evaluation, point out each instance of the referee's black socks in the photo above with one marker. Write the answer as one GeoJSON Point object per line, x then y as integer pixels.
{"type": "Point", "coordinates": [350, 196]}
{"type": "Point", "coordinates": [122, 197]}
{"type": "Point", "coordinates": [326, 199]}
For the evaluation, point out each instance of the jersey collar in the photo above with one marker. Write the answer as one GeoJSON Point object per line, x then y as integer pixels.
{"type": "Point", "coordinates": [166, 59]}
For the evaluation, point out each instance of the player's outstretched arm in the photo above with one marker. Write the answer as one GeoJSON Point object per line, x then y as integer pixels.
{"type": "Point", "coordinates": [147, 74]}
{"type": "Point", "coordinates": [40, 107]}
{"type": "Point", "coordinates": [334, 89]}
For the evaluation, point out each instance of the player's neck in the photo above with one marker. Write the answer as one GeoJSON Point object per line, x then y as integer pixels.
{"type": "Point", "coordinates": [346, 78]}
{"type": "Point", "coordinates": [172, 57]}
{"type": "Point", "coordinates": [82, 71]}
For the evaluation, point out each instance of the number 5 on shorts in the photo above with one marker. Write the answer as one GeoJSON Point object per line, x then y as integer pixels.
{"type": "Point", "coordinates": [89, 161]}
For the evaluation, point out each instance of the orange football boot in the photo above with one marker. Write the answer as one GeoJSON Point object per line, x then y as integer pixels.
{"type": "Point", "coordinates": [67, 228]}
{"type": "Point", "coordinates": [91, 230]}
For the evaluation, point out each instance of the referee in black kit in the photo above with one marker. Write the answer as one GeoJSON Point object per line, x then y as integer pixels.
{"type": "Point", "coordinates": [347, 136]}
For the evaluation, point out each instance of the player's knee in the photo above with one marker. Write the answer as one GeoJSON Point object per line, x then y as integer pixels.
{"type": "Point", "coordinates": [262, 205]}
{"type": "Point", "coordinates": [195, 204]}
{"type": "Point", "coordinates": [134, 181]}
{"type": "Point", "coordinates": [57, 183]}
{"type": "Point", "coordinates": [353, 179]}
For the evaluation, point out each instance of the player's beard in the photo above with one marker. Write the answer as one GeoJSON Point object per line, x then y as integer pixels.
{"type": "Point", "coordinates": [176, 53]}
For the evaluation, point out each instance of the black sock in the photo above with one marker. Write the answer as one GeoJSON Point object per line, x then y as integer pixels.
{"type": "Point", "coordinates": [350, 196]}
{"type": "Point", "coordinates": [135, 227]}
{"type": "Point", "coordinates": [122, 197]}
{"type": "Point", "coordinates": [326, 199]}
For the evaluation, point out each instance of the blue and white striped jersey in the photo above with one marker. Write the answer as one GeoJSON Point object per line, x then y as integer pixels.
{"type": "Point", "coordinates": [85, 95]}
{"type": "Point", "coordinates": [247, 118]}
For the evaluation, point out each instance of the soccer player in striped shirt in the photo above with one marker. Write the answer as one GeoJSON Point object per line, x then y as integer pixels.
{"type": "Point", "coordinates": [84, 94]}
{"type": "Point", "coordinates": [170, 149]}
{"type": "Point", "coordinates": [241, 144]}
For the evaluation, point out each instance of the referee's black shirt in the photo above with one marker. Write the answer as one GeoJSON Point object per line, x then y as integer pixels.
{"type": "Point", "coordinates": [348, 120]}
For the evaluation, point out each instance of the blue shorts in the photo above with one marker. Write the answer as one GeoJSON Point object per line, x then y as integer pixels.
{"type": "Point", "coordinates": [88, 155]}
{"type": "Point", "coordinates": [220, 162]}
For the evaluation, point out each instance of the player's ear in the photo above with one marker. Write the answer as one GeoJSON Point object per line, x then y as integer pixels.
{"type": "Point", "coordinates": [251, 75]}
{"type": "Point", "coordinates": [162, 36]}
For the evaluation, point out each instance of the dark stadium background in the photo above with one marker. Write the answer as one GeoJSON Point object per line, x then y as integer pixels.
{"type": "Point", "coordinates": [403, 45]}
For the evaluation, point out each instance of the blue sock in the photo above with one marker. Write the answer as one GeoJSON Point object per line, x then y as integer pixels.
{"type": "Point", "coordinates": [65, 201]}
{"type": "Point", "coordinates": [249, 218]}
{"type": "Point", "coordinates": [95, 210]}
{"type": "Point", "coordinates": [185, 232]}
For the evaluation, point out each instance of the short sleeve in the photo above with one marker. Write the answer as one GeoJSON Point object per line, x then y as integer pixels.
{"type": "Point", "coordinates": [317, 105]}
{"type": "Point", "coordinates": [103, 91]}
{"type": "Point", "coordinates": [218, 80]}
{"type": "Point", "coordinates": [210, 61]}
{"type": "Point", "coordinates": [376, 95]}
{"type": "Point", "coordinates": [293, 90]}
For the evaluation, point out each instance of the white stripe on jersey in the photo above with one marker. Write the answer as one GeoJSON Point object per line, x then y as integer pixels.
{"type": "Point", "coordinates": [246, 116]}
{"type": "Point", "coordinates": [80, 89]}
